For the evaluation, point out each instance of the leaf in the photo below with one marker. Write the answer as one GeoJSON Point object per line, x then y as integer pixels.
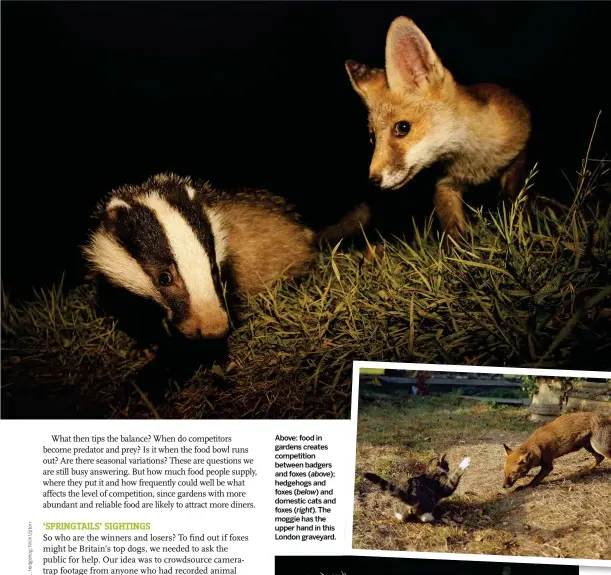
{"type": "Point", "coordinates": [231, 366]}
{"type": "Point", "coordinates": [217, 370]}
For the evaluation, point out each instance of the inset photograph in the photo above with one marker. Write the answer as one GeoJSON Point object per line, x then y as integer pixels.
{"type": "Point", "coordinates": [494, 462]}
{"type": "Point", "coordinates": [361, 565]}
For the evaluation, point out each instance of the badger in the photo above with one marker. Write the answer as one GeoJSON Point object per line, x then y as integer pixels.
{"type": "Point", "coordinates": [176, 257]}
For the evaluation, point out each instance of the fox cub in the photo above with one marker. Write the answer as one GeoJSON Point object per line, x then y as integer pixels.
{"type": "Point", "coordinates": [418, 115]}
{"type": "Point", "coordinates": [423, 492]}
{"type": "Point", "coordinates": [563, 435]}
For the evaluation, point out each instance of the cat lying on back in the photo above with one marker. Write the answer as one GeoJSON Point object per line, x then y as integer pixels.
{"type": "Point", "coordinates": [423, 492]}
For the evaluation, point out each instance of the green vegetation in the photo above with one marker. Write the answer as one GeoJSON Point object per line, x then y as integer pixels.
{"type": "Point", "coordinates": [528, 288]}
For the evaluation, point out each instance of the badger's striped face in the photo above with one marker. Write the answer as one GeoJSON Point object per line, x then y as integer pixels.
{"type": "Point", "coordinates": [166, 247]}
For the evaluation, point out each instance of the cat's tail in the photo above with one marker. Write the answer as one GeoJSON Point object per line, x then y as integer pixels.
{"type": "Point", "coordinates": [454, 479]}
{"type": "Point", "coordinates": [393, 490]}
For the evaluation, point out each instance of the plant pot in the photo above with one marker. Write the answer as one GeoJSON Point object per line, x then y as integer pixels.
{"type": "Point", "coordinates": [546, 404]}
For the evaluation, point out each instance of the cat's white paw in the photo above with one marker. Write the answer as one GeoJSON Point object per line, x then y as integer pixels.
{"type": "Point", "coordinates": [465, 463]}
{"type": "Point", "coordinates": [427, 517]}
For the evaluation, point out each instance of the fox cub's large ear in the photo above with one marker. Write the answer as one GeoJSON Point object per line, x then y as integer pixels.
{"type": "Point", "coordinates": [508, 450]}
{"type": "Point", "coordinates": [366, 81]}
{"type": "Point", "coordinates": [411, 62]}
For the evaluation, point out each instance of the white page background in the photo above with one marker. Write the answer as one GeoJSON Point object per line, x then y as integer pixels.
{"type": "Point", "coordinates": [21, 484]}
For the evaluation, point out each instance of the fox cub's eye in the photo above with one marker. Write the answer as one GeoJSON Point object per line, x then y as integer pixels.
{"type": "Point", "coordinates": [402, 129]}
{"type": "Point", "coordinates": [372, 138]}
{"type": "Point", "coordinates": [165, 278]}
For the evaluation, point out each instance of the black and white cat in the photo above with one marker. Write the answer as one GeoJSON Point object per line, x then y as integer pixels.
{"type": "Point", "coordinates": [423, 492]}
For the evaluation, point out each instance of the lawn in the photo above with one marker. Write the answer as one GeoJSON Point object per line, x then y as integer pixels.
{"type": "Point", "coordinates": [567, 516]}
{"type": "Point", "coordinates": [529, 287]}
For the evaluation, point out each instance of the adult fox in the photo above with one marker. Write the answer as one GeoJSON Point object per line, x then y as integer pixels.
{"type": "Point", "coordinates": [563, 435]}
{"type": "Point", "coordinates": [418, 115]}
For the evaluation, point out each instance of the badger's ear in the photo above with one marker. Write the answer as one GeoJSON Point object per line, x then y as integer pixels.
{"type": "Point", "coordinates": [111, 214]}
{"type": "Point", "coordinates": [367, 82]}
{"type": "Point", "coordinates": [508, 450]}
{"type": "Point", "coordinates": [116, 204]}
{"type": "Point", "coordinates": [411, 62]}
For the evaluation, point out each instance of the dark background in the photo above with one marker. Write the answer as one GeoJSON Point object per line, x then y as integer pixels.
{"type": "Point", "coordinates": [252, 94]}
{"type": "Point", "coordinates": [359, 565]}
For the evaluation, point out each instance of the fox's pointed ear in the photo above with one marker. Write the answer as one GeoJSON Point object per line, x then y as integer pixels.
{"type": "Point", "coordinates": [507, 449]}
{"type": "Point", "coordinates": [366, 81]}
{"type": "Point", "coordinates": [443, 457]}
{"type": "Point", "coordinates": [411, 62]}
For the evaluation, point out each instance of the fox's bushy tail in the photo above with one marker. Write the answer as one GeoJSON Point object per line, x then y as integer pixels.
{"type": "Point", "coordinates": [601, 436]}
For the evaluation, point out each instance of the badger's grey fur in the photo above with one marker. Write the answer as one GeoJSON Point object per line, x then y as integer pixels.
{"type": "Point", "coordinates": [182, 247]}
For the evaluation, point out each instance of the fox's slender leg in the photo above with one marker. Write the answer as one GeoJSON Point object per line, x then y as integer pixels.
{"type": "Point", "coordinates": [448, 206]}
{"type": "Point", "coordinates": [514, 176]}
{"type": "Point", "coordinates": [546, 469]}
{"type": "Point", "coordinates": [372, 251]}
{"type": "Point", "coordinates": [599, 458]}
{"type": "Point", "coordinates": [349, 224]}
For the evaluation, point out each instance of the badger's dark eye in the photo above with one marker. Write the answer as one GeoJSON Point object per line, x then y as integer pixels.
{"type": "Point", "coordinates": [165, 278]}
{"type": "Point", "coordinates": [402, 129]}
{"type": "Point", "coordinates": [372, 138]}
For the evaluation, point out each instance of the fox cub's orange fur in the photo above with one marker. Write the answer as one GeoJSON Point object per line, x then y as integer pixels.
{"type": "Point", "coordinates": [418, 115]}
{"type": "Point", "coordinates": [565, 434]}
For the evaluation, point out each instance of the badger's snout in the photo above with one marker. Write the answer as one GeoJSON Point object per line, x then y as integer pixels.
{"type": "Point", "coordinates": [211, 324]}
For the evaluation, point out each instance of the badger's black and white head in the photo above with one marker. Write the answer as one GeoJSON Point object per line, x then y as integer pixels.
{"type": "Point", "coordinates": [160, 242]}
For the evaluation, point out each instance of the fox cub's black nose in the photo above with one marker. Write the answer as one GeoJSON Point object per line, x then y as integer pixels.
{"type": "Point", "coordinates": [375, 180]}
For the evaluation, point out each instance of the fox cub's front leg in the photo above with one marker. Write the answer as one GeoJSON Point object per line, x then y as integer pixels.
{"type": "Point", "coordinates": [546, 469]}
{"type": "Point", "coordinates": [513, 178]}
{"type": "Point", "coordinates": [449, 208]}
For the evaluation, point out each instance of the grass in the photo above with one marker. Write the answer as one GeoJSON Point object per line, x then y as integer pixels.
{"type": "Point", "coordinates": [528, 288]}
{"type": "Point", "coordinates": [563, 517]}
